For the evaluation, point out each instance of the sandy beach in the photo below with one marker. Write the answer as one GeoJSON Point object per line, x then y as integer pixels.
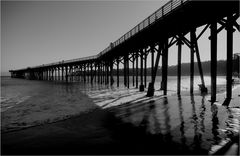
{"type": "Point", "coordinates": [133, 127]}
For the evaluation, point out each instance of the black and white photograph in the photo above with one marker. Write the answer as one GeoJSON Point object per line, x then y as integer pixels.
{"type": "Point", "coordinates": [120, 77]}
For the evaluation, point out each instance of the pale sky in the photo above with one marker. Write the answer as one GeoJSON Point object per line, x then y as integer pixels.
{"type": "Point", "coordinates": [41, 32]}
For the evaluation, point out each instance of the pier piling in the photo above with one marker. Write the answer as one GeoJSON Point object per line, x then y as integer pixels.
{"type": "Point", "coordinates": [117, 72]}
{"type": "Point", "coordinates": [192, 32]}
{"type": "Point", "coordinates": [136, 55]}
{"type": "Point", "coordinates": [164, 67]}
{"type": "Point", "coordinates": [179, 44]}
{"type": "Point", "coordinates": [230, 31]}
{"type": "Point", "coordinates": [141, 87]}
{"type": "Point", "coordinates": [213, 29]}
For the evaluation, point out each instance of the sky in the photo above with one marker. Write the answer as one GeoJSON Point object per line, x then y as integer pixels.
{"type": "Point", "coordinates": [40, 32]}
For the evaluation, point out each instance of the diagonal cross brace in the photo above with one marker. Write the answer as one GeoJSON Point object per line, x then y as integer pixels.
{"type": "Point", "coordinates": [151, 85]}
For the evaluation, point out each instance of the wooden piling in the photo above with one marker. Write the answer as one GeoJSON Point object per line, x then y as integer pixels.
{"type": "Point", "coordinates": [107, 73]}
{"type": "Point", "coordinates": [95, 73]}
{"type": "Point", "coordinates": [133, 70]}
{"type": "Point", "coordinates": [128, 71]}
{"type": "Point", "coordinates": [104, 72]}
{"type": "Point", "coordinates": [145, 68]}
{"type": "Point", "coordinates": [117, 72]}
{"type": "Point", "coordinates": [152, 71]}
{"type": "Point", "coordinates": [213, 29]}
{"type": "Point", "coordinates": [88, 72]}
{"type": "Point", "coordinates": [52, 74]}
{"type": "Point", "coordinates": [71, 72]}
{"type": "Point", "coordinates": [66, 73]}
{"type": "Point", "coordinates": [101, 69]}
{"type": "Point", "coordinates": [91, 66]}
{"type": "Point", "coordinates": [59, 74]}
{"type": "Point", "coordinates": [62, 73]}
{"type": "Point", "coordinates": [179, 44]}
{"type": "Point", "coordinates": [111, 73]}
{"type": "Point", "coordinates": [136, 69]}
{"type": "Point", "coordinates": [165, 66]}
{"type": "Point", "coordinates": [192, 61]}
{"type": "Point", "coordinates": [124, 70]}
{"type": "Point", "coordinates": [230, 31]}
{"type": "Point", "coordinates": [84, 73]}
{"type": "Point", "coordinates": [203, 87]}
{"type": "Point", "coordinates": [141, 87]}
{"type": "Point", "coordinates": [98, 72]}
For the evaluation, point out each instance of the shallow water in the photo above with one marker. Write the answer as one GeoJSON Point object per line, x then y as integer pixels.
{"type": "Point", "coordinates": [26, 103]}
{"type": "Point", "coordinates": [16, 91]}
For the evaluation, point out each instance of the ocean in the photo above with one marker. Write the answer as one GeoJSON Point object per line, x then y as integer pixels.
{"type": "Point", "coordinates": [16, 91]}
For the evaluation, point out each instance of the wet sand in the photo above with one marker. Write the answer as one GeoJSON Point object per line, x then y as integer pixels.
{"type": "Point", "coordinates": [98, 132]}
{"type": "Point", "coordinates": [165, 125]}
{"type": "Point", "coordinates": [78, 135]}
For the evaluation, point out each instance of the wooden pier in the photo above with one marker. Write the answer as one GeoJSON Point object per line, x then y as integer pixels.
{"type": "Point", "coordinates": [166, 27]}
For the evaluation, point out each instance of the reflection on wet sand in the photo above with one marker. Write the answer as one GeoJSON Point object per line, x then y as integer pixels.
{"type": "Point", "coordinates": [183, 138]}
{"type": "Point", "coordinates": [156, 118]}
{"type": "Point", "coordinates": [215, 123]}
{"type": "Point", "coordinates": [197, 134]}
{"type": "Point", "coordinates": [202, 114]}
{"type": "Point", "coordinates": [167, 133]}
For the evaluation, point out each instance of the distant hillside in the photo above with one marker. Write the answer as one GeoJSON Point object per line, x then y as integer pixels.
{"type": "Point", "coordinates": [172, 70]}
{"type": "Point", "coordinates": [221, 68]}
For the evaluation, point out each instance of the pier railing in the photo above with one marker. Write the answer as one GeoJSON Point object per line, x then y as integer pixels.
{"type": "Point", "coordinates": [153, 18]}
{"type": "Point", "coordinates": [157, 15]}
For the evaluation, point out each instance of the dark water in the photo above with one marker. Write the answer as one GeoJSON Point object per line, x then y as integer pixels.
{"type": "Point", "coordinates": [163, 124]}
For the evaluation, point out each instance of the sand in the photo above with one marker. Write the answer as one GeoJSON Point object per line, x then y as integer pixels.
{"type": "Point", "coordinates": [75, 135]}
{"type": "Point", "coordinates": [101, 131]}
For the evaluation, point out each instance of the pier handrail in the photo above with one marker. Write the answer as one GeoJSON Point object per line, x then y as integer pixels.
{"type": "Point", "coordinates": [157, 15]}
